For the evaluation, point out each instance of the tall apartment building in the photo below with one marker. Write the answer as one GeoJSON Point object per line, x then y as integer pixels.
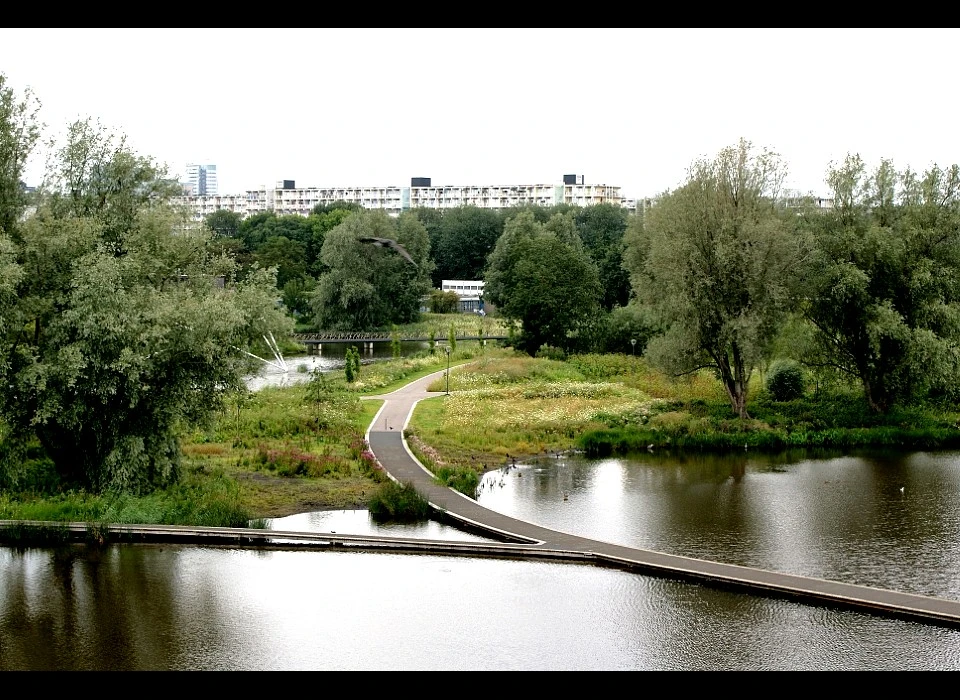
{"type": "Point", "coordinates": [202, 180]}
{"type": "Point", "coordinates": [287, 198]}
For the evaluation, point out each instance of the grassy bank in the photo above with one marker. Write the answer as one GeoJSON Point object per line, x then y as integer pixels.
{"type": "Point", "coordinates": [287, 450]}
{"type": "Point", "coordinates": [506, 408]}
{"type": "Point", "coordinates": [269, 453]}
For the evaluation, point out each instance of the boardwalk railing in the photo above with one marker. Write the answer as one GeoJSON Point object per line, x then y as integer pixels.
{"type": "Point", "coordinates": [334, 337]}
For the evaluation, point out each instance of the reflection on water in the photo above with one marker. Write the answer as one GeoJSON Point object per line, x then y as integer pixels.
{"type": "Point", "coordinates": [359, 522]}
{"type": "Point", "coordinates": [174, 607]}
{"type": "Point", "coordinates": [330, 359]}
{"type": "Point", "coordinates": [889, 520]}
{"type": "Point", "coordinates": [883, 519]}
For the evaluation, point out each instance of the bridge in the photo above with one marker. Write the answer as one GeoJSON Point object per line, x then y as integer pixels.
{"type": "Point", "coordinates": [314, 341]}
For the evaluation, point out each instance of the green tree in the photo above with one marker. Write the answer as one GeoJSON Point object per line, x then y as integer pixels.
{"type": "Point", "coordinates": [714, 260]}
{"type": "Point", "coordinates": [296, 295]}
{"type": "Point", "coordinates": [601, 228]}
{"type": "Point", "coordinates": [883, 284]}
{"type": "Point", "coordinates": [540, 276]}
{"type": "Point", "coordinates": [19, 130]}
{"type": "Point", "coordinates": [370, 286]}
{"type": "Point", "coordinates": [351, 364]}
{"type": "Point", "coordinates": [340, 205]}
{"type": "Point", "coordinates": [119, 334]}
{"type": "Point", "coordinates": [442, 302]}
{"type": "Point", "coordinates": [287, 256]}
{"type": "Point", "coordinates": [95, 175]}
{"type": "Point", "coordinates": [223, 223]}
{"type": "Point", "coordinates": [452, 338]}
{"type": "Point", "coordinates": [462, 241]}
{"type": "Point", "coordinates": [395, 342]}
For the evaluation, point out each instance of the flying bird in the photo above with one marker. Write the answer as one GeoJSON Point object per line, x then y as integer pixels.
{"type": "Point", "coordinates": [388, 243]}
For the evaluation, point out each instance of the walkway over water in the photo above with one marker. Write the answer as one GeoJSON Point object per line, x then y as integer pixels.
{"type": "Point", "coordinates": [350, 337]}
{"type": "Point", "coordinates": [385, 437]}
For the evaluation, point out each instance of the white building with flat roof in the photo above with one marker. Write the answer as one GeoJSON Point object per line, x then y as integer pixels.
{"type": "Point", "coordinates": [286, 198]}
{"type": "Point", "coordinates": [469, 291]}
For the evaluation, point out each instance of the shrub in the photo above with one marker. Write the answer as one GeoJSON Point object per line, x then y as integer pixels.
{"type": "Point", "coordinates": [395, 342]}
{"type": "Point", "coordinates": [463, 479]}
{"type": "Point", "coordinates": [785, 380]}
{"type": "Point", "coordinates": [351, 365]}
{"type": "Point", "coordinates": [400, 503]}
{"type": "Point", "coordinates": [551, 353]}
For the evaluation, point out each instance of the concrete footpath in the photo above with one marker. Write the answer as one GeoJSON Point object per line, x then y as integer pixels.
{"type": "Point", "coordinates": [527, 540]}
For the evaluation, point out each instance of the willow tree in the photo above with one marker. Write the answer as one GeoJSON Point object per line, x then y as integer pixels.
{"type": "Point", "coordinates": [883, 284]}
{"type": "Point", "coordinates": [118, 329]}
{"type": "Point", "coordinates": [369, 282]}
{"type": "Point", "coordinates": [714, 260]}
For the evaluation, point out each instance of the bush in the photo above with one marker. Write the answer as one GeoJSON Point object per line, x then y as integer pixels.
{"type": "Point", "coordinates": [551, 353]}
{"type": "Point", "coordinates": [400, 503]}
{"type": "Point", "coordinates": [786, 380]}
{"type": "Point", "coordinates": [463, 479]}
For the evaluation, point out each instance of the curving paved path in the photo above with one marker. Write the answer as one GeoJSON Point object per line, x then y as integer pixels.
{"type": "Point", "coordinates": [385, 437]}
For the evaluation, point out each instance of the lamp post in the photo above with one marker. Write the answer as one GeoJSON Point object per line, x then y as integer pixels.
{"type": "Point", "coordinates": [447, 348]}
{"type": "Point", "coordinates": [633, 342]}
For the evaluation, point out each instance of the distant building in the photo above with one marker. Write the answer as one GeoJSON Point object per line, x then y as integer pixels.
{"type": "Point", "coordinates": [469, 291]}
{"type": "Point", "coordinates": [201, 180]}
{"type": "Point", "coordinates": [285, 198]}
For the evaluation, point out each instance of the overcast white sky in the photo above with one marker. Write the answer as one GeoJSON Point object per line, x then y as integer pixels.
{"type": "Point", "coordinates": [627, 107]}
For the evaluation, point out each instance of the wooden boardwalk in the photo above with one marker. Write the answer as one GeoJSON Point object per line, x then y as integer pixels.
{"type": "Point", "coordinates": [385, 437]}
{"type": "Point", "coordinates": [509, 537]}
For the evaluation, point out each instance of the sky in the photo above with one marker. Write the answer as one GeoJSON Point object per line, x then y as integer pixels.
{"type": "Point", "coordinates": [626, 107]}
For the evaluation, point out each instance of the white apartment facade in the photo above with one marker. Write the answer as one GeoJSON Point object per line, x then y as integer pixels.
{"type": "Point", "coordinates": [469, 291]}
{"type": "Point", "coordinates": [286, 198]}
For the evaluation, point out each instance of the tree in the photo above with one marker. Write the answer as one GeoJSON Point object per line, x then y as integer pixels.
{"type": "Point", "coordinates": [462, 242]}
{"type": "Point", "coordinates": [540, 275]}
{"type": "Point", "coordinates": [119, 334]}
{"type": "Point", "coordinates": [883, 284]}
{"type": "Point", "coordinates": [19, 131]}
{"type": "Point", "coordinates": [442, 302]}
{"type": "Point", "coordinates": [370, 286]}
{"type": "Point", "coordinates": [223, 223]}
{"type": "Point", "coordinates": [339, 205]}
{"type": "Point", "coordinates": [714, 260]}
{"type": "Point", "coordinates": [601, 228]}
{"type": "Point", "coordinates": [287, 256]}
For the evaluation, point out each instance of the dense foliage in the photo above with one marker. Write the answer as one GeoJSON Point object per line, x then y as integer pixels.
{"type": "Point", "coordinates": [118, 324]}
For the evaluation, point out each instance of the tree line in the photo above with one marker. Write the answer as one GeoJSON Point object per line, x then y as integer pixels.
{"type": "Point", "coordinates": [723, 272]}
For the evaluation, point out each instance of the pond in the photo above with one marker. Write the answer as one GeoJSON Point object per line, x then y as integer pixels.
{"type": "Point", "coordinates": [881, 519]}
{"type": "Point", "coordinates": [299, 367]}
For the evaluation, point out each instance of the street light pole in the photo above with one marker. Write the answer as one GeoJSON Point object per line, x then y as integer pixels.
{"type": "Point", "coordinates": [448, 369]}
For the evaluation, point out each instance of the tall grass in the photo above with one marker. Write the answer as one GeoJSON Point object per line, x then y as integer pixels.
{"type": "Point", "coordinates": [211, 501]}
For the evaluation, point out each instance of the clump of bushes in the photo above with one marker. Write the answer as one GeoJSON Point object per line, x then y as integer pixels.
{"type": "Point", "coordinates": [785, 381]}
{"type": "Point", "coordinates": [399, 503]}
{"type": "Point", "coordinates": [463, 479]}
{"type": "Point", "coordinates": [551, 353]}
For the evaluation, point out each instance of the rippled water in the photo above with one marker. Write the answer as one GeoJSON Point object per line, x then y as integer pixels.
{"type": "Point", "coordinates": [173, 607]}
{"type": "Point", "coordinates": [890, 520]}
